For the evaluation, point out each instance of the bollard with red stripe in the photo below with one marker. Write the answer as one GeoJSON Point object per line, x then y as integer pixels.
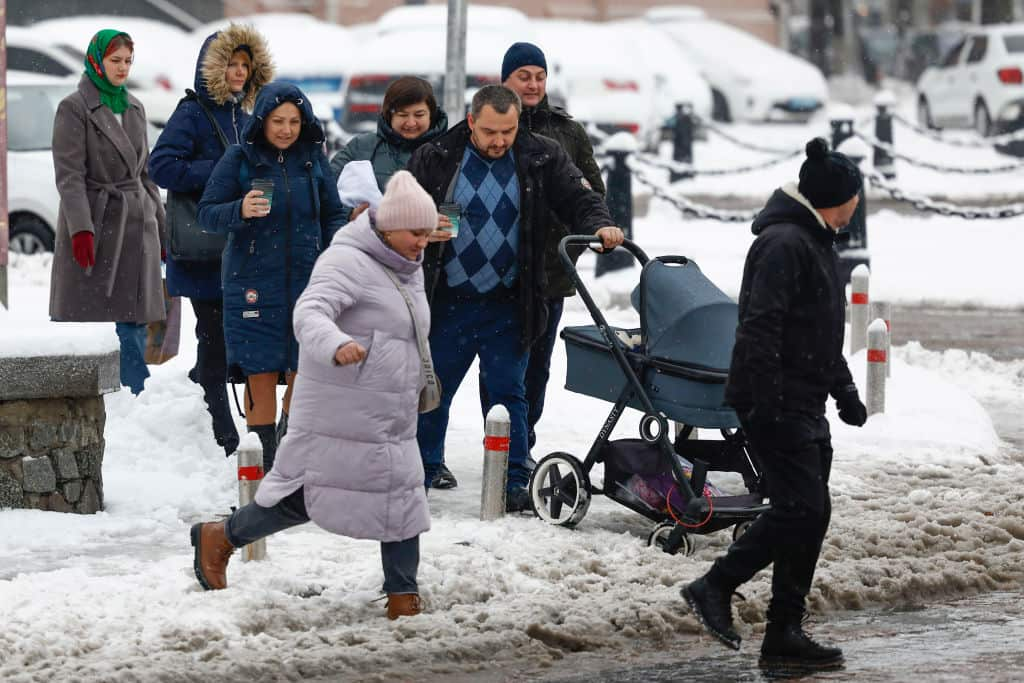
{"type": "Point", "coordinates": [859, 307]}
{"type": "Point", "coordinates": [492, 488]}
{"type": "Point", "coordinates": [882, 310]}
{"type": "Point", "coordinates": [250, 474]}
{"type": "Point", "coordinates": [878, 340]}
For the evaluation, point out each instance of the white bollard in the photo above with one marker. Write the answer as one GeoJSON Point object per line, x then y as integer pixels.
{"type": "Point", "coordinates": [859, 279]}
{"type": "Point", "coordinates": [250, 474]}
{"type": "Point", "coordinates": [882, 310]}
{"type": "Point", "coordinates": [496, 439]}
{"type": "Point", "coordinates": [878, 339]}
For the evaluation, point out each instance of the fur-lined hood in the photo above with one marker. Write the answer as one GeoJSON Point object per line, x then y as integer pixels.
{"type": "Point", "coordinates": [215, 56]}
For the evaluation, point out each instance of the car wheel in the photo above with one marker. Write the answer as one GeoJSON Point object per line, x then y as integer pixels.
{"type": "Point", "coordinates": [30, 235]}
{"type": "Point", "coordinates": [720, 107]}
{"type": "Point", "coordinates": [924, 114]}
{"type": "Point", "coordinates": [982, 120]}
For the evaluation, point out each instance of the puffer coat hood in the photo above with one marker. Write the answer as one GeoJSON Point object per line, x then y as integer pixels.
{"type": "Point", "coordinates": [351, 441]}
{"type": "Point", "coordinates": [215, 56]}
{"type": "Point", "coordinates": [269, 99]}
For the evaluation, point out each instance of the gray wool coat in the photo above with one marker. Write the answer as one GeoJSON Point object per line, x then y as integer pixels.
{"type": "Point", "coordinates": [351, 439]}
{"type": "Point", "coordinates": [104, 188]}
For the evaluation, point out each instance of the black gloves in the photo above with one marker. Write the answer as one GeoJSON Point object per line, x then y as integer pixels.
{"type": "Point", "coordinates": [851, 410]}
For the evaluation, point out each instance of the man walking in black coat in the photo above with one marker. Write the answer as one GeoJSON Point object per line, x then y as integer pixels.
{"type": "Point", "coordinates": [486, 284]}
{"type": "Point", "coordinates": [786, 362]}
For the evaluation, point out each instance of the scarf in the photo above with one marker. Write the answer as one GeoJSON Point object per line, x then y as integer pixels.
{"type": "Point", "coordinates": [114, 97]}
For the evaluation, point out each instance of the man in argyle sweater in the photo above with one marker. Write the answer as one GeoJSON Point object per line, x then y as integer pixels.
{"type": "Point", "coordinates": [486, 286]}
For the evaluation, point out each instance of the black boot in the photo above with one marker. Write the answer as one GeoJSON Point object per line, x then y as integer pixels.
{"type": "Point", "coordinates": [282, 427]}
{"type": "Point", "coordinates": [787, 648]}
{"type": "Point", "coordinates": [444, 479]}
{"type": "Point", "coordinates": [713, 608]}
{"type": "Point", "coordinates": [268, 438]}
{"type": "Point", "coordinates": [224, 430]}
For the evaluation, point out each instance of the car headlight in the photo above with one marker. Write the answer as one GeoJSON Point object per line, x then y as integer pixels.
{"type": "Point", "coordinates": [1010, 112]}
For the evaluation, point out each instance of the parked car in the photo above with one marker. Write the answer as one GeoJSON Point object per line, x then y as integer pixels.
{"type": "Point", "coordinates": [925, 47]}
{"type": "Point", "coordinates": [320, 73]}
{"type": "Point", "coordinates": [979, 84]}
{"type": "Point", "coordinates": [750, 79]}
{"type": "Point", "coordinates": [386, 54]}
{"type": "Point", "coordinates": [32, 198]}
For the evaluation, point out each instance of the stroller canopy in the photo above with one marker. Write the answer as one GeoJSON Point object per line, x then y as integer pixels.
{"type": "Point", "coordinates": [684, 317]}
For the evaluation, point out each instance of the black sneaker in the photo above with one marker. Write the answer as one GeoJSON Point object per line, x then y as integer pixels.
{"type": "Point", "coordinates": [444, 479]}
{"type": "Point", "coordinates": [787, 648]}
{"type": "Point", "coordinates": [517, 499]}
{"type": "Point", "coordinates": [713, 609]}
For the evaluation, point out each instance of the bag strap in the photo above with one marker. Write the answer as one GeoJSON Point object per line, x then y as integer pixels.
{"type": "Point", "coordinates": [191, 95]}
{"type": "Point", "coordinates": [421, 338]}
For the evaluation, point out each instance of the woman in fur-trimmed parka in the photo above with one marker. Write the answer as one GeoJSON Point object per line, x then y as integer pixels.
{"type": "Point", "coordinates": [233, 65]}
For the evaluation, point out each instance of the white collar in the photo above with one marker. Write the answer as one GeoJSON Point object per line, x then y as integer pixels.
{"type": "Point", "coordinates": [792, 190]}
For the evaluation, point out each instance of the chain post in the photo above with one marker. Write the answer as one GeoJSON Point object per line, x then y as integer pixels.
{"type": "Point", "coordinates": [842, 130]}
{"type": "Point", "coordinates": [854, 250]}
{"type": "Point", "coordinates": [884, 163]}
{"type": "Point", "coordinates": [682, 141]}
{"type": "Point", "coordinates": [619, 198]}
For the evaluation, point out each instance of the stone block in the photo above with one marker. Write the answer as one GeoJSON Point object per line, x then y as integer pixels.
{"type": "Point", "coordinates": [43, 437]}
{"type": "Point", "coordinates": [67, 468]}
{"type": "Point", "coordinates": [58, 504]}
{"type": "Point", "coordinates": [10, 491]}
{"type": "Point", "coordinates": [39, 475]}
{"type": "Point", "coordinates": [12, 441]}
{"type": "Point", "coordinates": [90, 460]}
{"type": "Point", "coordinates": [90, 502]}
{"type": "Point", "coordinates": [72, 491]}
{"type": "Point", "coordinates": [64, 376]}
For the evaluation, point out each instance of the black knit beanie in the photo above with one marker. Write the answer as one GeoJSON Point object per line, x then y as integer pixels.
{"type": "Point", "coordinates": [827, 178]}
{"type": "Point", "coordinates": [520, 55]}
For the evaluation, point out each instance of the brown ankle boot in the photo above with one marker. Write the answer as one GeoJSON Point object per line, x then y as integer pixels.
{"type": "Point", "coordinates": [403, 605]}
{"type": "Point", "coordinates": [212, 554]}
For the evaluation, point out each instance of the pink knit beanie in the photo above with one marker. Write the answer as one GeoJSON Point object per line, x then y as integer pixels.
{"type": "Point", "coordinates": [406, 205]}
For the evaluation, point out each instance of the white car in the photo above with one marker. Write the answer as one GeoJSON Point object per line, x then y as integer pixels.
{"type": "Point", "coordinates": [612, 89]}
{"type": "Point", "coordinates": [32, 197]}
{"type": "Point", "coordinates": [751, 80]}
{"type": "Point", "coordinates": [43, 52]}
{"type": "Point", "coordinates": [320, 73]}
{"type": "Point", "coordinates": [979, 83]}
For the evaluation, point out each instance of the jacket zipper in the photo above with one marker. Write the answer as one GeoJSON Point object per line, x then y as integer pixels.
{"type": "Point", "coordinates": [287, 253]}
{"type": "Point", "coordinates": [234, 123]}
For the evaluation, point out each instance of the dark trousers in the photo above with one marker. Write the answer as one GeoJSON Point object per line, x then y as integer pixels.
{"type": "Point", "coordinates": [461, 329]}
{"type": "Point", "coordinates": [538, 372]}
{"type": "Point", "coordinates": [210, 371]}
{"type": "Point", "coordinates": [132, 338]}
{"type": "Point", "coordinates": [400, 559]}
{"type": "Point", "coordinates": [796, 462]}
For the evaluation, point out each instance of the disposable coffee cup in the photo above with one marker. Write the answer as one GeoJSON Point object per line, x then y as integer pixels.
{"type": "Point", "coordinates": [454, 213]}
{"type": "Point", "coordinates": [266, 186]}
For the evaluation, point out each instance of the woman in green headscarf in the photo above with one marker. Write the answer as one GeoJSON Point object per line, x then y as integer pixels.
{"type": "Point", "coordinates": [106, 263]}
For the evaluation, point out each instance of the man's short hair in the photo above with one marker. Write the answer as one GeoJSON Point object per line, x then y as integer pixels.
{"type": "Point", "coordinates": [499, 97]}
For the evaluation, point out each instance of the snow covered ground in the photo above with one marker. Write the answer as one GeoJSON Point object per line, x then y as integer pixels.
{"type": "Point", "coordinates": [926, 507]}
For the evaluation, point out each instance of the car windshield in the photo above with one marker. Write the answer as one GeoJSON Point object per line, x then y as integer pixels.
{"type": "Point", "coordinates": [30, 112]}
{"type": "Point", "coordinates": [1014, 44]}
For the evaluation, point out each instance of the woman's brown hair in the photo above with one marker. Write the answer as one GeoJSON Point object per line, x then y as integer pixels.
{"type": "Point", "coordinates": [406, 91]}
{"type": "Point", "coordinates": [117, 42]}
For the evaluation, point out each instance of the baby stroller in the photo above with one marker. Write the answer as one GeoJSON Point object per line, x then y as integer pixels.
{"type": "Point", "coordinates": [674, 368]}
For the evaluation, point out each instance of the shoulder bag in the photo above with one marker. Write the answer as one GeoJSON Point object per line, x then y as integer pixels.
{"type": "Point", "coordinates": [430, 394]}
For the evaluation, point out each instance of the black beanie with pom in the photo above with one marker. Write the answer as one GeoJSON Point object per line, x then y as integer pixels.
{"type": "Point", "coordinates": [827, 178]}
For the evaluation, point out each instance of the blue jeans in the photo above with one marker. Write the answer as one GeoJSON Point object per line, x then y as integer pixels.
{"type": "Point", "coordinates": [538, 372]}
{"type": "Point", "coordinates": [462, 328]}
{"type": "Point", "coordinates": [133, 355]}
{"type": "Point", "coordinates": [400, 559]}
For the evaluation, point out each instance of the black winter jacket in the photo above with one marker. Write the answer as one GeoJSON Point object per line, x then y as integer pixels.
{"type": "Point", "coordinates": [789, 342]}
{"type": "Point", "coordinates": [555, 123]}
{"type": "Point", "coordinates": [548, 181]}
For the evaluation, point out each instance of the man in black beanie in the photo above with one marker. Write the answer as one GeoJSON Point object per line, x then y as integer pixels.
{"type": "Point", "coordinates": [786, 362]}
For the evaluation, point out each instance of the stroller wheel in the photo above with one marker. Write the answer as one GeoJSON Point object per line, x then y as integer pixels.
{"type": "Point", "coordinates": [559, 490]}
{"type": "Point", "coordinates": [659, 539]}
{"type": "Point", "coordinates": [741, 529]}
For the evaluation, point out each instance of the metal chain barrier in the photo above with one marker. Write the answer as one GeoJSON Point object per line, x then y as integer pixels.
{"type": "Point", "coordinates": [687, 207]}
{"type": "Point", "coordinates": [967, 170]}
{"type": "Point", "coordinates": [1016, 136]}
{"type": "Point", "coordinates": [718, 130]}
{"type": "Point", "coordinates": [923, 203]}
{"type": "Point", "coordinates": [688, 169]}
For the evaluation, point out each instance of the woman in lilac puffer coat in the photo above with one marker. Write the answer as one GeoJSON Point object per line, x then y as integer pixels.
{"type": "Point", "coordinates": [350, 461]}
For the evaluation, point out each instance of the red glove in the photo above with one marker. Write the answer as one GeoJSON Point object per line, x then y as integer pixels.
{"type": "Point", "coordinates": [82, 248]}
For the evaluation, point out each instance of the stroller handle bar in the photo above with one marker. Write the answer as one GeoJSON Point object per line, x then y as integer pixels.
{"type": "Point", "coordinates": [592, 241]}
